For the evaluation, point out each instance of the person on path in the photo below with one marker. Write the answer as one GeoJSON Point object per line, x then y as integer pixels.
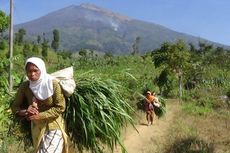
{"type": "Point", "coordinates": [149, 107]}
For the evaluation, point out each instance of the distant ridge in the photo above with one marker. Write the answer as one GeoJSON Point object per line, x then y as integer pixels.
{"type": "Point", "coordinates": [92, 27]}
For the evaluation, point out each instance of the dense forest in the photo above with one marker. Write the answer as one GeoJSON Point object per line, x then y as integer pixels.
{"type": "Point", "coordinates": [198, 76]}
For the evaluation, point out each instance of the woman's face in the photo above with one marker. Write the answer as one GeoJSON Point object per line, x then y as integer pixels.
{"type": "Point", "coordinates": [32, 71]}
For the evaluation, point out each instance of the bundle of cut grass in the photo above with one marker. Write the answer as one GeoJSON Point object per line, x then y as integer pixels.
{"type": "Point", "coordinates": [95, 114]}
{"type": "Point", "coordinates": [160, 111]}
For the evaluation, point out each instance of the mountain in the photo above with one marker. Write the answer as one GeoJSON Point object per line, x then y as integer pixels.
{"type": "Point", "coordinates": [92, 27]}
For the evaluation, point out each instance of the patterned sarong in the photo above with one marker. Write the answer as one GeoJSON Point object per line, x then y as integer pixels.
{"type": "Point", "coordinates": [52, 142]}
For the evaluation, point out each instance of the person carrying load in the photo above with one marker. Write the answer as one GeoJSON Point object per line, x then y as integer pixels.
{"type": "Point", "coordinates": [149, 108]}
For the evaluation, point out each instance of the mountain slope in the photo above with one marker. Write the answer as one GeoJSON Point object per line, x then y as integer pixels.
{"type": "Point", "coordinates": [88, 26]}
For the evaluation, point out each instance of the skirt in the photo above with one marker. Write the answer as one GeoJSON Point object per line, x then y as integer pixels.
{"type": "Point", "coordinates": [52, 142]}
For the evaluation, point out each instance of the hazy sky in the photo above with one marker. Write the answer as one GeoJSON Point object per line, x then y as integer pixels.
{"type": "Point", "coordinates": [209, 19]}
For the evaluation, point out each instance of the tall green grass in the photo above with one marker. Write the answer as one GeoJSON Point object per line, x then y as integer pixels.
{"type": "Point", "coordinates": [96, 113]}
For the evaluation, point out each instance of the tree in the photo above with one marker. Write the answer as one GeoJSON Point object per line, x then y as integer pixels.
{"type": "Point", "coordinates": [136, 45]}
{"type": "Point", "coordinates": [204, 52]}
{"type": "Point", "coordinates": [83, 52]}
{"type": "Point", "coordinates": [4, 22]}
{"type": "Point", "coordinates": [204, 48]}
{"type": "Point", "coordinates": [221, 57]}
{"type": "Point", "coordinates": [45, 46]}
{"type": "Point", "coordinates": [19, 36]}
{"type": "Point", "coordinates": [165, 82]}
{"type": "Point", "coordinates": [35, 49]}
{"type": "Point", "coordinates": [2, 45]}
{"type": "Point", "coordinates": [175, 58]}
{"type": "Point", "coordinates": [56, 39]}
{"type": "Point", "coordinates": [38, 39]}
{"type": "Point", "coordinates": [108, 54]}
{"type": "Point", "coordinates": [26, 50]}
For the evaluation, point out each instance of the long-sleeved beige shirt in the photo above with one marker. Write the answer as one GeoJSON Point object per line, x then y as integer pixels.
{"type": "Point", "coordinates": [49, 109]}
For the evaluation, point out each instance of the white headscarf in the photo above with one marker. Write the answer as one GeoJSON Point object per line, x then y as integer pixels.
{"type": "Point", "coordinates": [43, 87]}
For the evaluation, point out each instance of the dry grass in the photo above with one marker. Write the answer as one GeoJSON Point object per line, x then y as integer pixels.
{"type": "Point", "coordinates": [182, 132]}
{"type": "Point", "coordinates": [200, 134]}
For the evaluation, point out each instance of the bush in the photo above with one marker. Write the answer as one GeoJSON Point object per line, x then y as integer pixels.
{"type": "Point", "coordinates": [2, 45]}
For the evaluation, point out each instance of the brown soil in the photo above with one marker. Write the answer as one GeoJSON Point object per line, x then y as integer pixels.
{"type": "Point", "coordinates": [150, 139]}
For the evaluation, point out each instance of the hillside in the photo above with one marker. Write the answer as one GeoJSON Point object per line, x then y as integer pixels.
{"type": "Point", "coordinates": [88, 26]}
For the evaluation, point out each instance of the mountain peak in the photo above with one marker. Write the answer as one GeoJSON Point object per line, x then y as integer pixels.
{"type": "Point", "coordinates": [91, 7]}
{"type": "Point", "coordinates": [109, 13]}
{"type": "Point", "coordinates": [92, 27]}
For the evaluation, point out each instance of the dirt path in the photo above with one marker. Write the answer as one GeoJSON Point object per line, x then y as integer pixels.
{"type": "Point", "coordinates": [150, 139]}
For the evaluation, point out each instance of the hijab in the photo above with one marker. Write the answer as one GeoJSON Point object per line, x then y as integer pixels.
{"type": "Point", "coordinates": [43, 87]}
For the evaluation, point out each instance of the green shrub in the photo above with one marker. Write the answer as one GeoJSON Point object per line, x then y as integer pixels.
{"type": "Point", "coordinates": [2, 45]}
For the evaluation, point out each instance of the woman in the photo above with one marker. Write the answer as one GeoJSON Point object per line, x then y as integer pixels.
{"type": "Point", "coordinates": [45, 104]}
{"type": "Point", "coordinates": [149, 108]}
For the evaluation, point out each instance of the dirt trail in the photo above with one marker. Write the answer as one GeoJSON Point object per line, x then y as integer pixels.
{"type": "Point", "coordinates": [150, 138]}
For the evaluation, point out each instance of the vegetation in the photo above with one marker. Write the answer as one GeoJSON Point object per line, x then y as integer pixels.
{"type": "Point", "coordinates": [4, 22]}
{"type": "Point", "coordinates": [201, 75]}
{"type": "Point", "coordinates": [56, 39]}
{"type": "Point", "coordinates": [19, 36]}
{"type": "Point", "coordinates": [95, 114]}
{"type": "Point", "coordinates": [173, 58]}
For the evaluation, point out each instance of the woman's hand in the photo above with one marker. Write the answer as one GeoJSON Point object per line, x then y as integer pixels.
{"type": "Point", "coordinates": [32, 109]}
{"type": "Point", "coordinates": [33, 113]}
{"type": "Point", "coordinates": [22, 113]}
{"type": "Point", "coordinates": [33, 117]}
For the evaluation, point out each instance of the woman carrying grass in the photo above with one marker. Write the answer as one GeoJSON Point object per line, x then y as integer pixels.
{"type": "Point", "coordinates": [149, 108]}
{"type": "Point", "coordinates": [41, 101]}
